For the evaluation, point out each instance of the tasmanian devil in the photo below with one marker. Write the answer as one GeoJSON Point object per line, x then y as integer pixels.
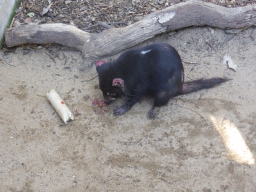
{"type": "Point", "coordinates": [156, 69]}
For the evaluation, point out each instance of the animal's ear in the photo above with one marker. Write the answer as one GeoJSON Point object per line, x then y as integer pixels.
{"type": "Point", "coordinates": [118, 82]}
{"type": "Point", "coordinates": [99, 63]}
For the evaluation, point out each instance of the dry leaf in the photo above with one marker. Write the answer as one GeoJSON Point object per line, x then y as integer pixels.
{"type": "Point", "coordinates": [227, 60]}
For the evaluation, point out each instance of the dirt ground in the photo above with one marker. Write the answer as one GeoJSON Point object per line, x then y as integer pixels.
{"type": "Point", "coordinates": [203, 141]}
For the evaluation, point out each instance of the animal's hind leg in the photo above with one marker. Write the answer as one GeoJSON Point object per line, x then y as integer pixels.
{"type": "Point", "coordinates": [161, 98]}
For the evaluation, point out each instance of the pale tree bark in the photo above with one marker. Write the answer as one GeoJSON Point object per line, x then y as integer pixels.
{"type": "Point", "coordinates": [111, 41]}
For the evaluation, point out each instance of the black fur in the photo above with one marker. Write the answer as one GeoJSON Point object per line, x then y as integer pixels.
{"type": "Point", "coordinates": [156, 69]}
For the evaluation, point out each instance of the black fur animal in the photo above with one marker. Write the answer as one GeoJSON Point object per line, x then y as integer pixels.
{"type": "Point", "coordinates": [156, 69]}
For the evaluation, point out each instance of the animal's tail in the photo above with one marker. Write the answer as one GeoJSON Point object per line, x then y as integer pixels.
{"type": "Point", "coordinates": [193, 86]}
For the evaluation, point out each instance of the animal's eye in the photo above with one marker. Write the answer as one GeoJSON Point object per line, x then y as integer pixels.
{"type": "Point", "coordinates": [107, 93]}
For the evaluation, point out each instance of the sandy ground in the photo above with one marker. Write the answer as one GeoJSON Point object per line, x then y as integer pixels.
{"type": "Point", "coordinates": [203, 141]}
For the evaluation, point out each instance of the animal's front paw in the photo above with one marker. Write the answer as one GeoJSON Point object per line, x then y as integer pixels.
{"type": "Point", "coordinates": [119, 111]}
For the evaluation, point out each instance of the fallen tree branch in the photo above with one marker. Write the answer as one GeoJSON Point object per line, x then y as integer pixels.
{"type": "Point", "coordinates": [111, 41]}
{"type": "Point", "coordinates": [102, 24]}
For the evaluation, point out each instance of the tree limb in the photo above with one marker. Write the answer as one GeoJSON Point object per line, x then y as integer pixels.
{"type": "Point", "coordinates": [111, 41]}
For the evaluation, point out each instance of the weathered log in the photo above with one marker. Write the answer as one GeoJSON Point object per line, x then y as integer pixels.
{"type": "Point", "coordinates": [111, 41]}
